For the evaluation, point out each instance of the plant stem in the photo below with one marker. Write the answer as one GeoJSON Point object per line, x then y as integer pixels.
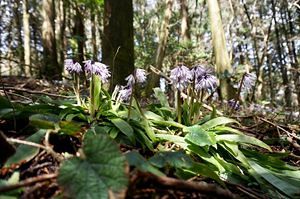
{"type": "Point", "coordinates": [179, 106]}
{"type": "Point", "coordinates": [237, 97]}
{"type": "Point", "coordinates": [130, 103]}
{"type": "Point", "coordinates": [77, 88]}
{"type": "Point", "coordinates": [92, 97]}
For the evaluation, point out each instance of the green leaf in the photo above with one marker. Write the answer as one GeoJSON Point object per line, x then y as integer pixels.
{"type": "Point", "coordinates": [198, 136]}
{"type": "Point", "coordinates": [100, 168]}
{"type": "Point", "coordinates": [173, 138]}
{"type": "Point", "coordinates": [161, 96]}
{"type": "Point", "coordinates": [44, 121]}
{"type": "Point", "coordinates": [25, 153]}
{"type": "Point", "coordinates": [176, 159]}
{"type": "Point", "coordinates": [137, 160]}
{"type": "Point", "coordinates": [69, 127]}
{"type": "Point", "coordinates": [217, 122]}
{"type": "Point", "coordinates": [242, 139]}
{"type": "Point", "coordinates": [125, 128]}
{"type": "Point", "coordinates": [226, 129]}
{"type": "Point", "coordinates": [284, 186]}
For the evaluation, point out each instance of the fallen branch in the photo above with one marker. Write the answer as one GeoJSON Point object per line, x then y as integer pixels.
{"type": "Point", "coordinates": [279, 127]}
{"type": "Point", "coordinates": [36, 92]}
{"type": "Point", "coordinates": [201, 187]}
{"type": "Point", "coordinates": [28, 182]}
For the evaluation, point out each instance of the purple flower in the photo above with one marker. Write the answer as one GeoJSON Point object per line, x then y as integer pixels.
{"type": "Point", "coordinates": [249, 81]}
{"type": "Point", "coordinates": [71, 67]}
{"type": "Point", "coordinates": [138, 76]}
{"type": "Point", "coordinates": [130, 80]}
{"type": "Point", "coordinates": [125, 93]}
{"type": "Point", "coordinates": [97, 68]}
{"type": "Point", "coordinates": [204, 80]}
{"type": "Point", "coordinates": [235, 105]}
{"type": "Point", "coordinates": [181, 76]}
{"type": "Point", "coordinates": [198, 70]}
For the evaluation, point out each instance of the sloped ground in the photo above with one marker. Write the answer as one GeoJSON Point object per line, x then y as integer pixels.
{"type": "Point", "coordinates": [37, 173]}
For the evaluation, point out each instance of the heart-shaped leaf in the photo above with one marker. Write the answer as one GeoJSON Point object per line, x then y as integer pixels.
{"type": "Point", "coordinates": [100, 169]}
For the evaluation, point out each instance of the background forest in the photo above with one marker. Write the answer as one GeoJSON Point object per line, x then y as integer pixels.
{"type": "Point", "coordinates": [149, 99]}
{"type": "Point", "coordinates": [261, 37]}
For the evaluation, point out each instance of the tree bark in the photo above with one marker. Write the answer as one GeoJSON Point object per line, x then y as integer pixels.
{"type": "Point", "coordinates": [283, 69]}
{"type": "Point", "coordinates": [50, 69]}
{"type": "Point", "coordinates": [93, 34]}
{"type": "Point", "coordinates": [117, 48]}
{"type": "Point", "coordinates": [161, 50]}
{"type": "Point", "coordinates": [26, 28]}
{"type": "Point", "coordinates": [79, 34]}
{"type": "Point", "coordinates": [223, 65]}
{"type": "Point", "coordinates": [185, 22]}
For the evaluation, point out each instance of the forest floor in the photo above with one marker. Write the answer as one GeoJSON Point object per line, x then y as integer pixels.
{"type": "Point", "coordinates": [37, 180]}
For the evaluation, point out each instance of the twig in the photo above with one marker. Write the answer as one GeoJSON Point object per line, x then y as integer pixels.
{"type": "Point", "coordinates": [202, 187]}
{"type": "Point", "coordinates": [279, 127]}
{"type": "Point", "coordinates": [28, 182]}
{"type": "Point", "coordinates": [13, 140]}
{"type": "Point", "coordinates": [36, 92]}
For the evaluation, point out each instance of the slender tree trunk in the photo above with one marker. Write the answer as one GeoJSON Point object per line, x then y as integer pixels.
{"type": "Point", "coordinates": [93, 33]}
{"type": "Point", "coordinates": [185, 22]}
{"type": "Point", "coordinates": [117, 46]}
{"type": "Point", "coordinates": [283, 69]}
{"type": "Point", "coordinates": [20, 51]}
{"type": "Point", "coordinates": [223, 65]}
{"type": "Point", "coordinates": [79, 33]}
{"type": "Point", "coordinates": [161, 50]}
{"type": "Point", "coordinates": [50, 69]}
{"type": "Point", "coordinates": [26, 28]}
{"type": "Point", "coordinates": [293, 54]}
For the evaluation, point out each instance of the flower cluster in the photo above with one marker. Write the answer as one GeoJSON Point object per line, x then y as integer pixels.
{"type": "Point", "coordinates": [138, 76]}
{"type": "Point", "coordinates": [72, 67]}
{"type": "Point", "coordinates": [233, 104]}
{"type": "Point", "coordinates": [204, 80]}
{"type": "Point", "coordinates": [249, 81]}
{"type": "Point", "coordinates": [181, 77]}
{"type": "Point", "coordinates": [97, 68]}
{"type": "Point", "coordinates": [90, 67]}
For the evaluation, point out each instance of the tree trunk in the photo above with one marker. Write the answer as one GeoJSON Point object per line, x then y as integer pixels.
{"type": "Point", "coordinates": [19, 49]}
{"type": "Point", "coordinates": [117, 48]}
{"type": "Point", "coordinates": [185, 22]}
{"type": "Point", "coordinates": [283, 69]}
{"type": "Point", "coordinates": [79, 33]}
{"type": "Point", "coordinates": [93, 34]}
{"type": "Point", "coordinates": [26, 28]}
{"type": "Point", "coordinates": [50, 69]}
{"type": "Point", "coordinates": [163, 38]}
{"type": "Point", "coordinates": [223, 65]}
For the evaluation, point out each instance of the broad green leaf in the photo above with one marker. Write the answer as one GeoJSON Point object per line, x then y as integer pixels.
{"type": "Point", "coordinates": [242, 139]}
{"type": "Point", "coordinates": [173, 138]}
{"type": "Point", "coordinates": [44, 121]}
{"type": "Point", "coordinates": [143, 139]}
{"type": "Point", "coordinates": [100, 168]}
{"type": "Point", "coordinates": [168, 123]}
{"type": "Point", "coordinates": [217, 122]}
{"type": "Point", "coordinates": [161, 96]}
{"type": "Point", "coordinates": [204, 170]}
{"type": "Point", "coordinates": [25, 153]}
{"type": "Point", "coordinates": [198, 136]}
{"type": "Point", "coordinates": [137, 160]}
{"type": "Point", "coordinates": [285, 187]}
{"type": "Point", "coordinates": [153, 116]}
{"type": "Point", "coordinates": [176, 159]}
{"type": "Point", "coordinates": [69, 127]}
{"type": "Point", "coordinates": [125, 128]}
{"type": "Point", "coordinates": [226, 129]}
